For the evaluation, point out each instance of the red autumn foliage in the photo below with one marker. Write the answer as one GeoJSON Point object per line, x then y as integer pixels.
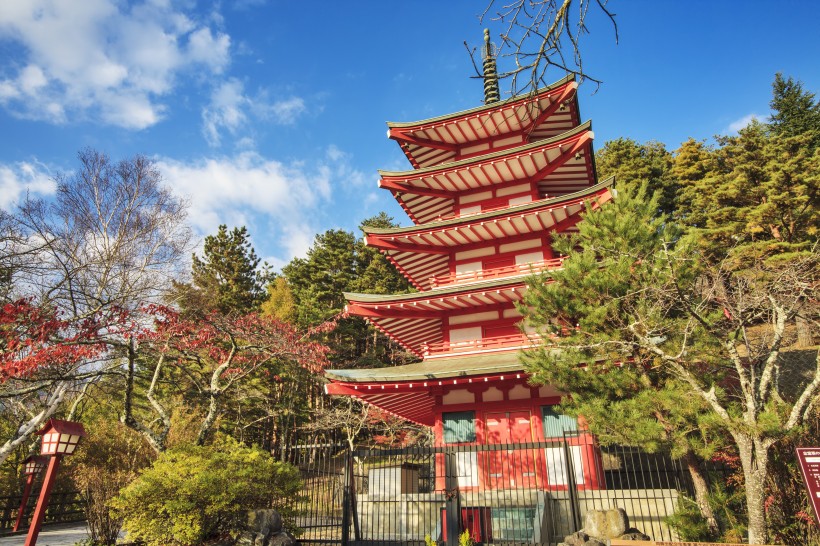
{"type": "Point", "coordinates": [35, 338]}
{"type": "Point", "coordinates": [240, 343]}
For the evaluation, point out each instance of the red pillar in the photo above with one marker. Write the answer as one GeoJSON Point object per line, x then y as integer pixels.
{"type": "Point", "coordinates": [42, 502]}
{"type": "Point", "coordinates": [26, 493]}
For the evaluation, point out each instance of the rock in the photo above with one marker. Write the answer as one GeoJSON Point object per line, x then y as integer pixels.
{"type": "Point", "coordinates": [634, 534]}
{"type": "Point", "coordinates": [605, 524]}
{"type": "Point", "coordinates": [264, 528]}
{"type": "Point", "coordinates": [282, 538]}
{"type": "Point", "coordinates": [617, 523]}
{"type": "Point", "coordinates": [267, 521]}
{"type": "Point", "coordinates": [581, 539]}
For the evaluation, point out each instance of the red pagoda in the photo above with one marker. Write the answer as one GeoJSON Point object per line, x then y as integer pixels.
{"type": "Point", "coordinates": [488, 190]}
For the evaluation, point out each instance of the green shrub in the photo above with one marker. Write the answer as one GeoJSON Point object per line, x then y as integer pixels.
{"type": "Point", "coordinates": [191, 494]}
{"type": "Point", "coordinates": [106, 461]}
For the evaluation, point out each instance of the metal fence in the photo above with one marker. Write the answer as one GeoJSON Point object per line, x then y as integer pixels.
{"type": "Point", "coordinates": [534, 493]}
{"type": "Point", "coordinates": [63, 507]}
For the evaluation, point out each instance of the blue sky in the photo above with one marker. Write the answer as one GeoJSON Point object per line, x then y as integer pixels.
{"type": "Point", "coordinates": [272, 114]}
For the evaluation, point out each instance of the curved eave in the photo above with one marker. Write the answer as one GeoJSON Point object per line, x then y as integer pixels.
{"type": "Point", "coordinates": [423, 252]}
{"type": "Point", "coordinates": [444, 368]}
{"type": "Point", "coordinates": [441, 294]}
{"type": "Point", "coordinates": [531, 117]}
{"type": "Point", "coordinates": [492, 215]}
{"type": "Point", "coordinates": [551, 167]}
{"type": "Point", "coordinates": [407, 391]}
{"type": "Point", "coordinates": [416, 320]}
{"type": "Point", "coordinates": [414, 174]}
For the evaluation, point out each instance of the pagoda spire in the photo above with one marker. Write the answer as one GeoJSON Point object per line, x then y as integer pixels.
{"type": "Point", "coordinates": [488, 53]}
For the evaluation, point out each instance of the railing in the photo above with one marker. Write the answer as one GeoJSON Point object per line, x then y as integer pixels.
{"type": "Point", "coordinates": [506, 271]}
{"type": "Point", "coordinates": [524, 493]}
{"type": "Point", "coordinates": [503, 493]}
{"type": "Point", "coordinates": [482, 210]}
{"type": "Point", "coordinates": [490, 344]}
{"type": "Point", "coordinates": [64, 506]}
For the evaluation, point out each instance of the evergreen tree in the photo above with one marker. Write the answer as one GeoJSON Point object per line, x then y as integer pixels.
{"type": "Point", "coordinates": [226, 278]}
{"type": "Point", "coordinates": [621, 393]}
{"type": "Point", "coordinates": [375, 274]}
{"type": "Point", "coordinates": [319, 280]}
{"type": "Point", "coordinates": [757, 194]}
{"type": "Point", "coordinates": [634, 164]}
{"type": "Point", "coordinates": [652, 303]}
{"type": "Point", "coordinates": [338, 262]}
{"type": "Point", "coordinates": [794, 111]}
{"type": "Point", "coordinates": [281, 304]}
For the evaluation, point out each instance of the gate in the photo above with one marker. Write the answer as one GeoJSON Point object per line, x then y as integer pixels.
{"type": "Point", "coordinates": [321, 514]}
{"type": "Point", "coordinates": [524, 493]}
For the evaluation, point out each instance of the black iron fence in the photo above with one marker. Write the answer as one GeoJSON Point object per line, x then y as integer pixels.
{"type": "Point", "coordinates": [63, 506]}
{"type": "Point", "coordinates": [534, 493]}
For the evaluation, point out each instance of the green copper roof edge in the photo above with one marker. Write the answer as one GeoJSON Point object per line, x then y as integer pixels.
{"type": "Point", "coordinates": [438, 292]}
{"type": "Point", "coordinates": [492, 214]}
{"type": "Point", "coordinates": [484, 107]}
{"type": "Point", "coordinates": [414, 173]}
{"type": "Point", "coordinates": [473, 365]}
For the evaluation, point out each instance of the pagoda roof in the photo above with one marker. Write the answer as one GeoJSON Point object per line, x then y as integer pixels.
{"type": "Point", "coordinates": [423, 251]}
{"type": "Point", "coordinates": [530, 117]}
{"type": "Point", "coordinates": [561, 164]}
{"type": "Point", "coordinates": [407, 391]}
{"type": "Point", "coordinates": [416, 320]}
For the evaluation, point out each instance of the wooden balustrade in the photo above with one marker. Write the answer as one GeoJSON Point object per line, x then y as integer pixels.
{"type": "Point", "coordinates": [485, 344]}
{"type": "Point", "coordinates": [498, 272]}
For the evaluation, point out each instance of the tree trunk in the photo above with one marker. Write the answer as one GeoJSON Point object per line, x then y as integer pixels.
{"type": "Point", "coordinates": [804, 333]}
{"type": "Point", "coordinates": [701, 493]}
{"type": "Point", "coordinates": [754, 459]}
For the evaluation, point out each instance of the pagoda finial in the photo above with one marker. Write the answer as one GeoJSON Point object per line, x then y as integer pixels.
{"type": "Point", "coordinates": [488, 53]}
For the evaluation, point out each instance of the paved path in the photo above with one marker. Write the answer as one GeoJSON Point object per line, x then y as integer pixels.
{"type": "Point", "coordinates": [67, 534]}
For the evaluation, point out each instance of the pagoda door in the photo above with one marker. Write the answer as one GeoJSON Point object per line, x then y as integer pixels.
{"type": "Point", "coordinates": [511, 467]}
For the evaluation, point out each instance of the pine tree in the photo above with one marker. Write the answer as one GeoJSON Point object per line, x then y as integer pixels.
{"type": "Point", "coordinates": [794, 111]}
{"type": "Point", "coordinates": [226, 278]}
{"type": "Point", "coordinates": [338, 262]}
{"type": "Point", "coordinates": [634, 164]}
{"type": "Point", "coordinates": [644, 302]}
{"type": "Point", "coordinates": [281, 303]}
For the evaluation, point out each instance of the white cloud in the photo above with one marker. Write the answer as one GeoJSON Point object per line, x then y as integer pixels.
{"type": "Point", "coordinates": [277, 201]}
{"type": "Point", "coordinates": [225, 111]}
{"type": "Point", "coordinates": [287, 111]}
{"type": "Point", "coordinates": [233, 190]}
{"type": "Point", "coordinates": [20, 178]}
{"type": "Point", "coordinates": [230, 106]}
{"type": "Point", "coordinates": [103, 59]}
{"type": "Point", "coordinates": [739, 124]}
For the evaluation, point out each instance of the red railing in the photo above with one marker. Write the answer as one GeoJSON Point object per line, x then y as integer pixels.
{"type": "Point", "coordinates": [454, 215]}
{"type": "Point", "coordinates": [517, 341]}
{"type": "Point", "coordinates": [506, 271]}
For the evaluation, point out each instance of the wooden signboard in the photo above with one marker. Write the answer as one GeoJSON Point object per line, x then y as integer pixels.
{"type": "Point", "coordinates": [809, 459]}
{"type": "Point", "coordinates": [617, 542]}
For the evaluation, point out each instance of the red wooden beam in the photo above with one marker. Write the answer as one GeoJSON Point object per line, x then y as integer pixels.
{"type": "Point", "coordinates": [402, 135]}
{"type": "Point", "coordinates": [430, 192]}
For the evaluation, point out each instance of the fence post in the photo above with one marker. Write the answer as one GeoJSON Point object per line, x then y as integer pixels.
{"type": "Point", "coordinates": [354, 507]}
{"type": "Point", "coordinates": [348, 478]}
{"type": "Point", "coordinates": [572, 487]}
{"type": "Point", "coordinates": [452, 524]}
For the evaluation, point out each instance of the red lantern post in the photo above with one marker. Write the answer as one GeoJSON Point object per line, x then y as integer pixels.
{"type": "Point", "coordinates": [59, 438]}
{"type": "Point", "coordinates": [32, 466]}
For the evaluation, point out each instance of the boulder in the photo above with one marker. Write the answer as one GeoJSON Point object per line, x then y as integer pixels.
{"type": "Point", "coordinates": [601, 525]}
{"type": "Point", "coordinates": [605, 524]}
{"type": "Point", "coordinates": [264, 528]}
{"type": "Point", "coordinates": [581, 539]}
{"type": "Point", "coordinates": [633, 534]}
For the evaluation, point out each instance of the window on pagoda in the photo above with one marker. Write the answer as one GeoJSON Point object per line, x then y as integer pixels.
{"type": "Point", "coordinates": [459, 427]}
{"type": "Point", "coordinates": [510, 329]}
{"type": "Point", "coordinates": [557, 424]}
